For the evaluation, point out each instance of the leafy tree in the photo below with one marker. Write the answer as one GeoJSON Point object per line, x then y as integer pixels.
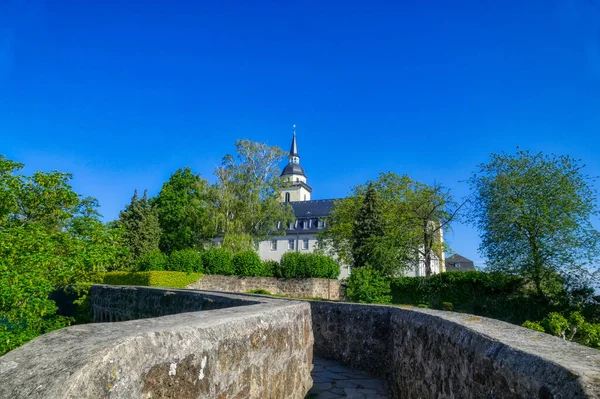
{"type": "Point", "coordinates": [413, 216]}
{"type": "Point", "coordinates": [185, 260]}
{"type": "Point", "coordinates": [182, 209]}
{"type": "Point", "coordinates": [245, 200]}
{"type": "Point", "coordinates": [368, 229]}
{"type": "Point", "coordinates": [555, 324]}
{"type": "Point", "coordinates": [533, 212]}
{"type": "Point", "coordinates": [141, 230]}
{"type": "Point", "coordinates": [152, 260]}
{"type": "Point", "coordinates": [432, 209]}
{"type": "Point", "coordinates": [50, 238]}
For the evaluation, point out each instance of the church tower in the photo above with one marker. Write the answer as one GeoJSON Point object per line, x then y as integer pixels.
{"type": "Point", "coordinates": [294, 178]}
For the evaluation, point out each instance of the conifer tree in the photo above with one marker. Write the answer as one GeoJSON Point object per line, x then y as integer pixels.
{"type": "Point", "coordinates": [141, 229]}
{"type": "Point", "coordinates": [368, 230]}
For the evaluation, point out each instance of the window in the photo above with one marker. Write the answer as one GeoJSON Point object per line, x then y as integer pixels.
{"type": "Point", "coordinates": [287, 197]}
{"type": "Point", "coordinates": [318, 244]}
{"type": "Point", "coordinates": [291, 226]}
{"type": "Point", "coordinates": [307, 224]}
{"type": "Point", "coordinates": [291, 245]}
{"type": "Point", "coordinates": [320, 224]}
{"type": "Point", "coordinates": [305, 243]}
{"type": "Point", "coordinates": [273, 245]}
{"type": "Point", "coordinates": [297, 179]}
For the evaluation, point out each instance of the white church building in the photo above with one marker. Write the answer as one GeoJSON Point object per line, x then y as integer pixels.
{"type": "Point", "coordinates": [311, 215]}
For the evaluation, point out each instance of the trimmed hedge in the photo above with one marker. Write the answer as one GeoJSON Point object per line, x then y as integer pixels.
{"type": "Point", "coordinates": [185, 260]}
{"type": "Point", "coordinates": [248, 264]}
{"type": "Point", "coordinates": [153, 260]}
{"type": "Point", "coordinates": [152, 279]}
{"type": "Point", "coordinates": [218, 261]}
{"type": "Point", "coordinates": [298, 265]}
{"type": "Point", "coordinates": [497, 295]}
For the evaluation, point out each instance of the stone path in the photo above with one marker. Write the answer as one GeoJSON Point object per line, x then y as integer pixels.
{"type": "Point", "coordinates": [332, 380]}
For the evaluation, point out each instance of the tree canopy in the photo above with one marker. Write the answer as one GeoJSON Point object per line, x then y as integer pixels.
{"type": "Point", "coordinates": [534, 214]}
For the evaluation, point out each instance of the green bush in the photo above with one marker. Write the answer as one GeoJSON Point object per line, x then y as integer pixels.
{"type": "Point", "coordinates": [298, 265]}
{"type": "Point", "coordinates": [423, 306]}
{"type": "Point", "coordinates": [448, 306]}
{"type": "Point", "coordinates": [533, 325]}
{"type": "Point", "coordinates": [248, 264]}
{"type": "Point", "coordinates": [271, 268]}
{"type": "Point", "coordinates": [153, 260]}
{"type": "Point", "coordinates": [218, 261]}
{"type": "Point", "coordinates": [589, 334]}
{"type": "Point", "coordinates": [152, 279]}
{"type": "Point", "coordinates": [366, 285]}
{"type": "Point", "coordinates": [185, 260]}
{"type": "Point", "coordinates": [555, 324]}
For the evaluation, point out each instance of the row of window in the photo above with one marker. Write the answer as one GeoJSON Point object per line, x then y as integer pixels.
{"type": "Point", "coordinates": [291, 244]}
{"type": "Point", "coordinates": [306, 224]}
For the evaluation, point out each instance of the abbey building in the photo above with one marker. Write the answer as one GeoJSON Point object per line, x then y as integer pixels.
{"type": "Point", "coordinates": [301, 235]}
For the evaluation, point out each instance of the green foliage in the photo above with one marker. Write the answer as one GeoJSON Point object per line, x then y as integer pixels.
{"type": "Point", "coordinates": [590, 334]}
{"type": "Point", "coordinates": [495, 295]}
{"type": "Point", "coordinates": [448, 306]}
{"type": "Point", "coordinates": [298, 265]}
{"type": "Point", "coordinates": [366, 285]}
{"type": "Point", "coordinates": [533, 212]}
{"type": "Point", "coordinates": [185, 260]}
{"type": "Point", "coordinates": [50, 238]}
{"type": "Point", "coordinates": [368, 230]}
{"type": "Point", "coordinates": [245, 200]}
{"type": "Point", "coordinates": [153, 260]}
{"type": "Point", "coordinates": [271, 268]}
{"type": "Point", "coordinates": [182, 208]}
{"type": "Point", "coordinates": [533, 325]}
{"type": "Point", "coordinates": [248, 264]}
{"type": "Point", "coordinates": [218, 261]}
{"type": "Point", "coordinates": [141, 230]}
{"type": "Point", "coordinates": [413, 216]}
{"type": "Point", "coordinates": [423, 305]}
{"type": "Point", "coordinates": [167, 279]}
{"type": "Point", "coordinates": [555, 324]}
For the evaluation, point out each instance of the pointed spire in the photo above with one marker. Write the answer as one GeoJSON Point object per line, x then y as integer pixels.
{"type": "Point", "coordinates": [294, 148]}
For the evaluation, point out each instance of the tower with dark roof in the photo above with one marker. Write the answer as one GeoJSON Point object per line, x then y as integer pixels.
{"type": "Point", "coordinates": [294, 177]}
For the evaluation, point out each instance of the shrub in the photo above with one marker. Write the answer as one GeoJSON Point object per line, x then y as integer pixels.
{"type": "Point", "coordinates": [533, 325]}
{"type": "Point", "coordinates": [589, 334]}
{"type": "Point", "coordinates": [248, 264]}
{"type": "Point", "coordinates": [218, 261]}
{"type": "Point", "coordinates": [297, 265]}
{"type": "Point", "coordinates": [153, 260]}
{"type": "Point", "coordinates": [152, 279]}
{"type": "Point", "coordinates": [555, 324]}
{"type": "Point", "coordinates": [271, 268]}
{"type": "Point", "coordinates": [448, 306]}
{"type": "Point", "coordinates": [185, 260]}
{"type": "Point", "coordinates": [423, 306]}
{"type": "Point", "coordinates": [366, 285]}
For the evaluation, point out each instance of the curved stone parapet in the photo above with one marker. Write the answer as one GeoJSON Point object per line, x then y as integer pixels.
{"type": "Point", "coordinates": [426, 353]}
{"type": "Point", "coordinates": [262, 349]}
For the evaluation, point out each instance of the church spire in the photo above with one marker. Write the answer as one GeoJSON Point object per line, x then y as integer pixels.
{"type": "Point", "coordinates": [294, 148]}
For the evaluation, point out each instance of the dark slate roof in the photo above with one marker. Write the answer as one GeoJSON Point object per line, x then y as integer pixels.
{"type": "Point", "coordinates": [464, 263]}
{"type": "Point", "coordinates": [313, 210]}
{"type": "Point", "coordinates": [294, 147]}
{"type": "Point", "coordinates": [293, 169]}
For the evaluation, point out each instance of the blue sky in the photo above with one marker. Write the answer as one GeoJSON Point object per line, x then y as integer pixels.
{"type": "Point", "coordinates": [123, 93]}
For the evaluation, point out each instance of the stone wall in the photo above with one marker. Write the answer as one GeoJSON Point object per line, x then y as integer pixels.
{"type": "Point", "coordinates": [262, 349]}
{"type": "Point", "coordinates": [433, 354]}
{"type": "Point", "coordinates": [294, 287]}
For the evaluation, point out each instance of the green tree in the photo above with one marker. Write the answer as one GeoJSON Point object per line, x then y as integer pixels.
{"type": "Point", "coordinates": [50, 238]}
{"type": "Point", "coordinates": [182, 209]}
{"type": "Point", "coordinates": [245, 200]}
{"type": "Point", "coordinates": [410, 212]}
{"type": "Point", "coordinates": [432, 209]}
{"type": "Point", "coordinates": [533, 212]}
{"type": "Point", "coordinates": [368, 230]}
{"type": "Point", "coordinates": [141, 230]}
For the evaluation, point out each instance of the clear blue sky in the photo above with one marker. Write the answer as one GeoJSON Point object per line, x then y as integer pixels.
{"type": "Point", "coordinates": [123, 93]}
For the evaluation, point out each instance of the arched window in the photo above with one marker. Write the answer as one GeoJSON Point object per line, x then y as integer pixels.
{"type": "Point", "coordinates": [287, 197]}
